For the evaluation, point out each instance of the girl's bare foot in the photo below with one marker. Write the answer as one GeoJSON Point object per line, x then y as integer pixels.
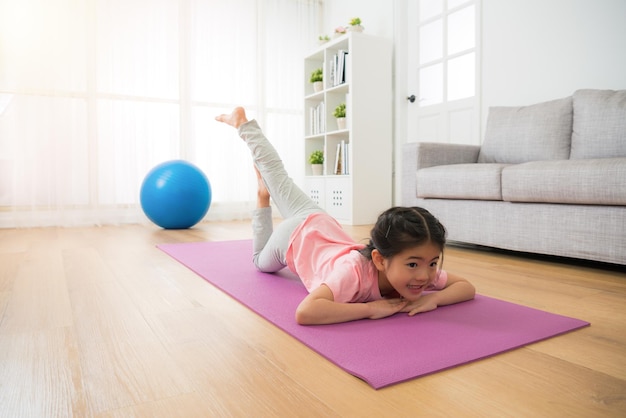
{"type": "Point", "coordinates": [235, 119]}
{"type": "Point", "coordinates": [263, 195]}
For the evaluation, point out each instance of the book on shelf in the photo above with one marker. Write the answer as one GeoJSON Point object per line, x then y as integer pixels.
{"type": "Point", "coordinates": [317, 119]}
{"type": "Point", "coordinates": [346, 159]}
{"type": "Point", "coordinates": [342, 158]}
{"type": "Point", "coordinates": [338, 68]}
{"type": "Point", "coordinates": [338, 160]}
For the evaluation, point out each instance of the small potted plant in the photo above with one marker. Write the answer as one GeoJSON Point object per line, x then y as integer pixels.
{"type": "Point", "coordinates": [355, 25]}
{"type": "Point", "coordinates": [316, 159]}
{"type": "Point", "coordinates": [339, 30]}
{"type": "Point", "coordinates": [322, 39]}
{"type": "Point", "coordinates": [340, 114]}
{"type": "Point", "coordinates": [317, 78]}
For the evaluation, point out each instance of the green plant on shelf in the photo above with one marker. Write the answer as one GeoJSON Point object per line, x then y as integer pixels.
{"type": "Point", "coordinates": [316, 157]}
{"type": "Point", "coordinates": [340, 111]}
{"type": "Point", "coordinates": [317, 75]}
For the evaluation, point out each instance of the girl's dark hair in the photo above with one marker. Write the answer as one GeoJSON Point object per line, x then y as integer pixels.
{"type": "Point", "coordinates": [400, 228]}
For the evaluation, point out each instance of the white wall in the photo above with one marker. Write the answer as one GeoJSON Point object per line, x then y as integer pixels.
{"type": "Point", "coordinates": [537, 50]}
{"type": "Point", "coordinates": [376, 15]}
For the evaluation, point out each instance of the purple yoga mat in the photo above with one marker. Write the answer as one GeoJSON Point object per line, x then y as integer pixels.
{"type": "Point", "coordinates": [381, 352]}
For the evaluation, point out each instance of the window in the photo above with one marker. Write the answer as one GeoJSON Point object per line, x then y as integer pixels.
{"type": "Point", "coordinates": [94, 94]}
{"type": "Point", "coordinates": [447, 51]}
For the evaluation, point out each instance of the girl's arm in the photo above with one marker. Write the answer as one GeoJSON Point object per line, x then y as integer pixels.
{"type": "Point", "coordinates": [457, 290]}
{"type": "Point", "coordinates": [319, 307]}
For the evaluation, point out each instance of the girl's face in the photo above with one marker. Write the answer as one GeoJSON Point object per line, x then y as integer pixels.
{"type": "Point", "coordinates": [410, 272]}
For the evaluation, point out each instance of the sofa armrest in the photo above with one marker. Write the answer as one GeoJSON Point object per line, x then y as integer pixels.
{"type": "Point", "coordinates": [417, 155]}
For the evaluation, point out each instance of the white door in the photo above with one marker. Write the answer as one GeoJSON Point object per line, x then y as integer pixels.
{"type": "Point", "coordinates": [443, 71]}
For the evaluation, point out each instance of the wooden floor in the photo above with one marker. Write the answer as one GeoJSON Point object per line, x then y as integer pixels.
{"type": "Point", "coordinates": [98, 322]}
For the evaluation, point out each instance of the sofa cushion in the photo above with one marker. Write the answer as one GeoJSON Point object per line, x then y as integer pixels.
{"type": "Point", "coordinates": [515, 135]}
{"type": "Point", "coordinates": [594, 182]}
{"type": "Point", "coordinates": [461, 181]}
{"type": "Point", "coordinates": [599, 129]}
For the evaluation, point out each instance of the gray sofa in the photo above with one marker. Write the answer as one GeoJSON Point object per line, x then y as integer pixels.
{"type": "Point", "coordinates": [549, 178]}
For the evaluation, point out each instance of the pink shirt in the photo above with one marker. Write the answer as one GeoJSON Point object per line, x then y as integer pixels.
{"type": "Point", "coordinates": [321, 252]}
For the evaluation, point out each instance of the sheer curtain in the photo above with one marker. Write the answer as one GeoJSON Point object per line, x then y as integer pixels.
{"type": "Point", "coordinates": [95, 93]}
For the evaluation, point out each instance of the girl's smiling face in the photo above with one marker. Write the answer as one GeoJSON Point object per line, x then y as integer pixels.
{"type": "Point", "coordinates": [409, 272]}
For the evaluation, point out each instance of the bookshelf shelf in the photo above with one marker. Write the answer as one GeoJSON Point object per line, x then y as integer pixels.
{"type": "Point", "coordinates": [356, 182]}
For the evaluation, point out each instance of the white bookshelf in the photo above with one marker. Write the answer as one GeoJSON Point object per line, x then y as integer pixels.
{"type": "Point", "coordinates": [360, 193]}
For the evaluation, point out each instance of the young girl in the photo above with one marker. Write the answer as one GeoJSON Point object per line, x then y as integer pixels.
{"type": "Point", "coordinates": [346, 280]}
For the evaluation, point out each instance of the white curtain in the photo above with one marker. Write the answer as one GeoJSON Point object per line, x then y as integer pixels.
{"type": "Point", "coordinates": [95, 93]}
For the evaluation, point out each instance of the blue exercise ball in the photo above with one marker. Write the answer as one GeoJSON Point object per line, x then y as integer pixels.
{"type": "Point", "coordinates": [175, 195]}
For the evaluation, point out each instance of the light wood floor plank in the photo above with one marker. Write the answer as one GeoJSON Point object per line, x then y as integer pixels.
{"type": "Point", "coordinates": [122, 360]}
{"type": "Point", "coordinates": [38, 298]}
{"type": "Point", "coordinates": [189, 404]}
{"type": "Point", "coordinates": [40, 375]}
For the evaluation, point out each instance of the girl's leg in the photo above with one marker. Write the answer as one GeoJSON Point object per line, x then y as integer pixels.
{"type": "Point", "coordinates": [270, 245]}
{"type": "Point", "coordinates": [288, 197]}
{"type": "Point", "coordinates": [270, 256]}
{"type": "Point", "coordinates": [262, 224]}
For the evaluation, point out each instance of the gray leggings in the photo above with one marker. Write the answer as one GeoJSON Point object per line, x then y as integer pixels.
{"type": "Point", "coordinates": [269, 244]}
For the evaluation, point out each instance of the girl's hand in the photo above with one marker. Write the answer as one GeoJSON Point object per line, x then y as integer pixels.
{"type": "Point", "coordinates": [425, 303]}
{"type": "Point", "coordinates": [457, 290]}
{"type": "Point", "coordinates": [386, 307]}
{"type": "Point", "coordinates": [319, 307]}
